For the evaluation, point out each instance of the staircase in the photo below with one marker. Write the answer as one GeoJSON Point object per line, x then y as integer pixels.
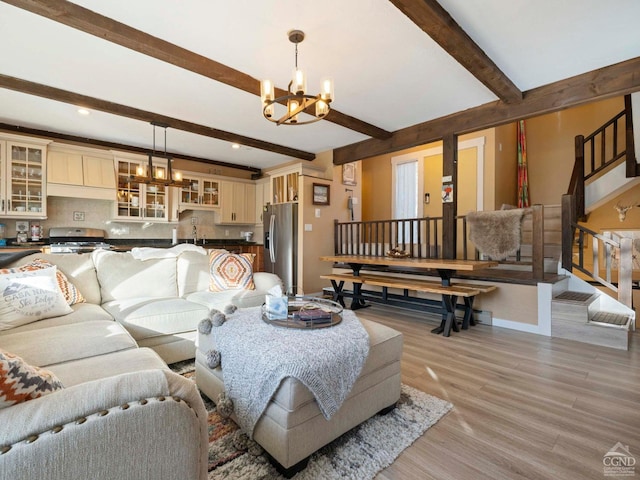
{"type": "Point", "coordinates": [577, 315]}
{"type": "Point", "coordinates": [579, 310]}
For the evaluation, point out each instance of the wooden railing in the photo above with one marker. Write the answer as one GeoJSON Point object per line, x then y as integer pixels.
{"type": "Point", "coordinates": [608, 255]}
{"type": "Point", "coordinates": [601, 149]}
{"type": "Point", "coordinates": [422, 238]}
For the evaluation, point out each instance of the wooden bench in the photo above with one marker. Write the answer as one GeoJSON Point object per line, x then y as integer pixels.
{"type": "Point", "coordinates": [449, 294]}
{"type": "Point", "coordinates": [467, 291]}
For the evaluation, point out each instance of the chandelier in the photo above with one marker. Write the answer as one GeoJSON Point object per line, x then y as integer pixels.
{"type": "Point", "coordinates": [296, 100]}
{"type": "Point", "coordinates": [156, 176]}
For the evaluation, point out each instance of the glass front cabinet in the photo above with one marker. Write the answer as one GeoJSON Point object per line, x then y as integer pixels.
{"type": "Point", "coordinates": [23, 178]}
{"type": "Point", "coordinates": [201, 193]}
{"type": "Point", "coordinates": [138, 200]}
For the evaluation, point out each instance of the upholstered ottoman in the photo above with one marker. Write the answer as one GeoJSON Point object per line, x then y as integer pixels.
{"type": "Point", "coordinates": [292, 426]}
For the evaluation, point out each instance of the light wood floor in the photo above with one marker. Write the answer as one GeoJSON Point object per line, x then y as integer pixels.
{"type": "Point", "coordinates": [525, 406]}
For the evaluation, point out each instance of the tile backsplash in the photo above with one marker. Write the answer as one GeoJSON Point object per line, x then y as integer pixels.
{"type": "Point", "coordinates": [65, 212]}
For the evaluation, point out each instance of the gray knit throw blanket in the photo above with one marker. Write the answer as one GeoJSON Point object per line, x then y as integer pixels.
{"type": "Point", "coordinates": [256, 357]}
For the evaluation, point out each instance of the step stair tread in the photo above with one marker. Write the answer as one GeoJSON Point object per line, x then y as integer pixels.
{"type": "Point", "coordinates": [610, 319]}
{"type": "Point", "coordinates": [575, 297]}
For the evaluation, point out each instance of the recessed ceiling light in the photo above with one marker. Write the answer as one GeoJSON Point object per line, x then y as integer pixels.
{"type": "Point", "coordinates": [235, 145]}
{"type": "Point", "coordinates": [83, 111]}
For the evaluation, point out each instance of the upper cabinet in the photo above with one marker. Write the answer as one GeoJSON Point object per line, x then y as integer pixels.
{"type": "Point", "coordinates": [238, 203]}
{"type": "Point", "coordinates": [75, 174]}
{"type": "Point", "coordinates": [23, 171]}
{"type": "Point", "coordinates": [285, 182]}
{"type": "Point", "coordinates": [285, 187]}
{"type": "Point", "coordinates": [263, 197]}
{"type": "Point", "coordinates": [202, 193]}
{"type": "Point", "coordinates": [138, 201]}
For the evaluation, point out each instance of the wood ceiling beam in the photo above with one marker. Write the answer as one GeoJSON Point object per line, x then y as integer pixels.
{"type": "Point", "coordinates": [65, 96]}
{"type": "Point", "coordinates": [615, 80]}
{"type": "Point", "coordinates": [108, 29]}
{"type": "Point", "coordinates": [35, 132]}
{"type": "Point", "coordinates": [436, 22]}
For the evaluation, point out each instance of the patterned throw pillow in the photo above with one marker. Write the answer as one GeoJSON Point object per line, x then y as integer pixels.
{"type": "Point", "coordinates": [228, 271]}
{"type": "Point", "coordinates": [71, 294]}
{"type": "Point", "coordinates": [20, 381]}
{"type": "Point", "coordinates": [29, 296]}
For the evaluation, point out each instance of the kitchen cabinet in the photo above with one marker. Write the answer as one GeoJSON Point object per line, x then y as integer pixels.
{"type": "Point", "coordinates": [285, 182]}
{"type": "Point", "coordinates": [202, 193]}
{"type": "Point", "coordinates": [22, 177]}
{"type": "Point", "coordinates": [263, 197]}
{"type": "Point", "coordinates": [74, 174]}
{"type": "Point", "coordinates": [237, 204]}
{"type": "Point", "coordinates": [137, 201]}
{"type": "Point", "coordinates": [285, 187]}
{"type": "Point", "coordinates": [258, 251]}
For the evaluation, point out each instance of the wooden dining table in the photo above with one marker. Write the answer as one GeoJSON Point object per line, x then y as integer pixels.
{"type": "Point", "coordinates": [445, 268]}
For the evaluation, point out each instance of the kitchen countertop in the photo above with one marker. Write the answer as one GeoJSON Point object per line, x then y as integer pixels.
{"type": "Point", "coordinates": [126, 244]}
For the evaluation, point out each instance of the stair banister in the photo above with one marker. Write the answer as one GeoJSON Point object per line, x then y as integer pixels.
{"type": "Point", "coordinates": [623, 244]}
{"type": "Point", "coordinates": [625, 272]}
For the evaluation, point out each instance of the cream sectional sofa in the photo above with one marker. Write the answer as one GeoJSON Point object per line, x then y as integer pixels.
{"type": "Point", "coordinates": [122, 413]}
{"type": "Point", "coordinates": [159, 301]}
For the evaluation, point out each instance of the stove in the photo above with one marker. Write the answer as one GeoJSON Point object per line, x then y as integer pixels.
{"type": "Point", "coordinates": [76, 240]}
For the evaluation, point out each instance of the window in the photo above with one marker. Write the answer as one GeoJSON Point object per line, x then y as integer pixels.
{"type": "Point", "coordinates": [407, 177]}
{"type": "Point", "coordinates": [405, 194]}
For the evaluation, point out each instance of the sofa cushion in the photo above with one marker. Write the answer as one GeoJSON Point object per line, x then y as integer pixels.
{"type": "Point", "coordinates": [20, 381]}
{"type": "Point", "coordinates": [78, 268]}
{"type": "Point", "coordinates": [213, 300]}
{"type": "Point", "coordinates": [193, 273]}
{"type": "Point", "coordinates": [123, 277]}
{"type": "Point", "coordinates": [150, 317]}
{"type": "Point", "coordinates": [71, 294]}
{"type": "Point", "coordinates": [81, 313]}
{"type": "Point", "coordinates": [64, 343]}
{"type": "Point", "coordinates": [230, 271]}
{"type": "Point", "coordinates": [108, 365]}
{"type": "Point", "coordinates": [29, 296]}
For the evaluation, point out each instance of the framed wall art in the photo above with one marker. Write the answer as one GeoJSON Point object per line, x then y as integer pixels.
{"type": "Point", "coordinates": [320, 194]}
{"type": "Point", "coordinates": [349, 174]}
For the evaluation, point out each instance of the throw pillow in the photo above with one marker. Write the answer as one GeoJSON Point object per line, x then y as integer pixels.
{"type": "Point", "coordinates": [229, 271]}
{"type": "Point", "coordinates": [71, 294]}
{"type": "Point", "coordinates": [29, 296]}
{"type": "Point", "coordinates": [20, 381]}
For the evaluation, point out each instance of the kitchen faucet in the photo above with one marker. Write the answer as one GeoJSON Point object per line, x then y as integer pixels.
{"type": "Point", "coordinates": [195, 234]}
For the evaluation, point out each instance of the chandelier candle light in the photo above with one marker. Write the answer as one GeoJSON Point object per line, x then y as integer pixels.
{"type": "Point", "coordinates": [296, 100]}
{"type": "Point", "coordinates": [156, 176]}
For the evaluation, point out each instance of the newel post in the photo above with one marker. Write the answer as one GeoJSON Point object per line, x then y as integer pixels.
{"type": "Point", "coordinates": [579, 177]}
{"type": "Point", "coordinates": [568, 220]}
{"type": "Point", "coordinates": [537, 242]}
{"type": "Point", "coordinates": [450, 209]}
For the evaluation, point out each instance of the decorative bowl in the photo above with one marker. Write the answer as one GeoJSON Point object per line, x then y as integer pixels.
{"type": "Point", "coordinates": [396, 253]}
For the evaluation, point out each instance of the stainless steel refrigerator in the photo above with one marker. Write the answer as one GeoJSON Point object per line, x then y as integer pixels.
{"type": "Point", "coordinates": [281, 242]}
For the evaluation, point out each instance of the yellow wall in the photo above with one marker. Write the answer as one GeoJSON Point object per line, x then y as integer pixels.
{"type": "Point", "coordinates": [505, 171]}
{"type": "Point", "coordinates": [550, 155]}
{"type": "Point", "coordinates": [550, 146]}
{"type": "Point", "coordinates": [319, 241]}
{"type": "Point", "coordinates": [377, 188]}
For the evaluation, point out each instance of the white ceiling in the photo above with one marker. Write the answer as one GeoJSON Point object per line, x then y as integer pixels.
{"type": "Point", "coordinates": [386, 70]}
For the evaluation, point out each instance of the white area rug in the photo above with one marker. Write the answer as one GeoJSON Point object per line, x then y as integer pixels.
{"type": "Point", "coordinates": [359, 454]}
